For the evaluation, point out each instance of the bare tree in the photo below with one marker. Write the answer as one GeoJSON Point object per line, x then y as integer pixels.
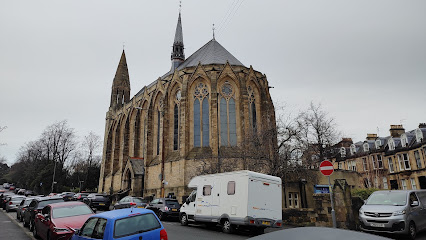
{"type": "Point", "coordinates": [1, 129]}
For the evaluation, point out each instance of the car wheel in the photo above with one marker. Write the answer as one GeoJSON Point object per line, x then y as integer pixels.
{"type": "Point", "coordinates": [227, 226]}
{"type": "Point", "coordinates": [160, 215]}
{"type": "Point", "coordinates": [184, 220]}
{"type": "Point", "coordinates": [31, 224]}
{"type": "Point", "coordinates": [7, 210]}
{"type": "Point", "coordinates": [26, 224]}
{"type": "Point", "coordinates": [35, 233]}
{"type": "Point", "coordinates": [412, 231]}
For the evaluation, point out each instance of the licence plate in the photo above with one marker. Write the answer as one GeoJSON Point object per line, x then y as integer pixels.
{"type": "Point", "coordinates": [382, 225]}
{"type": "Point", "coordinates": [140, 207]}
{"type": "Point", "coordinates": [101, 204]}
{"type": "Point", "coordinates": [266, 223]}
{"type": "Point", "coordinates": [174, 210]}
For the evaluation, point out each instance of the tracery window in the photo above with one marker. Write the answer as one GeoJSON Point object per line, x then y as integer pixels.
{"type": "Point", "coordinates": [228, 122]}
{"type": "Point", "coordinates": [176, 120]}
{"type": "Point", "coordinates": [252, 108]}
{"type": "Point", "coordinates": [201, 115]}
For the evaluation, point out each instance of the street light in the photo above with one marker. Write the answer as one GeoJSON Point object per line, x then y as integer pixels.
{"type": "Point", "coordinates": [80, 184]}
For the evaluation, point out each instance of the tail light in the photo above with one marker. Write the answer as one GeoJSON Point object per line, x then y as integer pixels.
{"type": "Point", "coordinates": [279, 224]}
{"type": "Point", "coordinates": [10, 203]}
{"type": "Point", "coordinates": [78, 197]}
{"type": "Point", "coordinates": [163, 235]}
{"type": "Point", "coordinates": [23, 209]}
{"type": "Point", "coordinates": [132, 204]}
{"type": "Point", "coordinates": [251, 221]}
{"type": "Point", "coordinates": [166, 208]}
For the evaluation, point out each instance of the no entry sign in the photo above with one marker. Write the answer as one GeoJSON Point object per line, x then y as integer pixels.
{"type": "Point", "coordinates": [326, 168]}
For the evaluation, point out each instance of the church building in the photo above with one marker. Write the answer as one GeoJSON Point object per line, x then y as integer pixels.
{"type": "Point", "coordinates": [209, 113]}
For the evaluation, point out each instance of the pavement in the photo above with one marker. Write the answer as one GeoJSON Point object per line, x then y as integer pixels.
{"type": "Point", "coordinates": [11, 229]}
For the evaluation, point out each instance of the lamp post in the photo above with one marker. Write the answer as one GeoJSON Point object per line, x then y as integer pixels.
{"type": "Point", "coordinates": [80, 184]}
{"type": "Point", "coordinates": [53, 180]}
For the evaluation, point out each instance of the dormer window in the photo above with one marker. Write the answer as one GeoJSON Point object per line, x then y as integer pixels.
{"type": "Point", "coordinates": [366, 147]}
{"type": "Point", "coordinates": [419, 135]}
{"type": "Point", "coordinates": [353, 149]}
{"type": "Point", "coordinates": [343, 152]}
{"type": "Point", "coordinates": [404, 140]}
{"type": "Point", "coordinates": [378, 143]}
{"type": "Point", "coordinates": [391, 144]}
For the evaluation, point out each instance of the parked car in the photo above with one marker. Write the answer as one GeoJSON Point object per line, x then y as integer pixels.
{"type": "Point", "coordinates": [16, 190]}
{"type": "Point", "coordinates": [21, 191]}
{"type": "Point", "coordinates": [67, 196]}
{"type": "Point", "coordinates": [128, 223]}
{"type": "Point", "coordinates": [395, 211]}
{"type": "Point", "coordinates": [165, 207]}
{"type": "Point", "coordinates": [59, 220]}
{"type": "Point", "coordinates": [98, 201]}
{"type": "Point", "coordinates": [36, 205]}
{"type": "Point", "coordinates": [12, 188]}
{"type": "Point", "coordinates": [6, 185]}
{"type": "Point", "coordinates": [22, 208]}
{"type": "Point", "coordinates": [29, 193]}
{"type": "Point", "coordinates": [14, 202]}
{"type": "Point", "coordinates": [6, 201]}
{"type": "Point", "coordinates": [80, 196]}
{"type": "Point", "coordinates": [128, 202]}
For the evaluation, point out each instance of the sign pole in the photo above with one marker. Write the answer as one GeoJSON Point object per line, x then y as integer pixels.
{"type": "Point", "coordinates": [333, 213]}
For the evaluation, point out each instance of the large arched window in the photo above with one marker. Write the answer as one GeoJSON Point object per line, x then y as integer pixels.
{"type": "Point", "coordinates": [252, 109]}
{"type": "Point", "coordinates": [158, 131]}
{"type": "Point", "coordinates": [228, 122]}
{"type": "Point", "coordinates": [176, 120]}
{"type": "Point", "coordinates": [201, 115]}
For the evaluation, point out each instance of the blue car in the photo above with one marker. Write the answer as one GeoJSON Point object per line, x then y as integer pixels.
{"type": "Point", "coordinates": [123, 224]}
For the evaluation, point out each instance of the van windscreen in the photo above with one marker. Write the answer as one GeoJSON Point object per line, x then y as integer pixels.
{"type": "Point", "coordinates": [387, 198]}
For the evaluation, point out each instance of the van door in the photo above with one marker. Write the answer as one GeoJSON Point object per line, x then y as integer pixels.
{"type": "Point", "coordinates": [422, 198]}
{"type": "Point", "coordinates": [204, 202]}
{"type": "Point", "coordinates": [416, 211]}
{"type": "Point", "coordinates": [216, 198]}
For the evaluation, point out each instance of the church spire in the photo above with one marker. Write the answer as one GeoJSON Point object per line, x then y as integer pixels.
{"type": "Point", "coordinates": [120, 93]}
{"type": "Point", "coordinates": [178, 55]}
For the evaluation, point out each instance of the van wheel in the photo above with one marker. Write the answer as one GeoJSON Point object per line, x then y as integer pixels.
{"type": "Point", "coordinates": [184, 220]}
{"type": "Point", "coordinates": [412, 231]}
{"type": "Point", "coordinates": [31, 225]}
{"type": "Point", "coordinates": [227, 227]}
{"type": "Point", "coordinates": [35, 233]}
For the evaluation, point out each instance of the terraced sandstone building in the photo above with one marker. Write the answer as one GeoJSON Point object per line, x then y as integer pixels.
{"type": "Point", "coordinates": [209, 113]}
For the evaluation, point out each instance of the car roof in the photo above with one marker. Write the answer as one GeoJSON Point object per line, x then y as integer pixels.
{"type": "Point", "coordinates": [65, 204]}
{"type": "Point", "coordinates": [122, 213]}
{"type": "Point", "coordinates": [47, 198]}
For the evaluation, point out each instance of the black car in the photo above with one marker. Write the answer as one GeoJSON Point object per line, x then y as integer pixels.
{"type": "Point", "coordinates": [22, 208]}
{"type": "Point", "coordinates": [128, 202]}
{"type": "Point", "coordinates": [36, 205]}
{"type": "Point", "coordinates": [165, 207]}
{"type": "Point", "coordinates": [80, 196]}
{"type": "Point", "coordinates": [98, 201]}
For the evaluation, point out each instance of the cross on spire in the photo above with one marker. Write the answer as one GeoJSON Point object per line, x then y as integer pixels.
{"type": "Point", "coordinates": [213, 30]}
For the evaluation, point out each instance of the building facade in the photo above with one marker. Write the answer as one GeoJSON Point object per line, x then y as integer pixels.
{"type": "Point", "coordinates": [209, 113]}
{"type": "Point", "coordinates": [397, 161]}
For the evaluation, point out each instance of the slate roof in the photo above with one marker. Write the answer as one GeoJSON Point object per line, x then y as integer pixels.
{"type": "Point", "coordinates": [137, 166]}
{"type": "Point", "coordinates": [178, 33]}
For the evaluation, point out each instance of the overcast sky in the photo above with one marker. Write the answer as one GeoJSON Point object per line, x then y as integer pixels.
{"type": "Point", "coordinates": [363, 60]}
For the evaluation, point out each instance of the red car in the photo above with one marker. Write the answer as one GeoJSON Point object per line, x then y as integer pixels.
{"type": "Point", "coordinates": [60, 220]}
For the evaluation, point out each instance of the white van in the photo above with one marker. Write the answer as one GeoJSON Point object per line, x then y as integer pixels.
{"type": "Point", "coordinates": [241, 199]}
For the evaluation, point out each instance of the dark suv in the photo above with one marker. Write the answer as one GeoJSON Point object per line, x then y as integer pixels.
{"type": "Point", "coordinates": [165, 207]}
{"type": "Point", "coordinates": [36, 205]}
{"type": "Point", "coordinates": [98, 200]}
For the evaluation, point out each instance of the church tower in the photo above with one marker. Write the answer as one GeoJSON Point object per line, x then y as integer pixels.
{"type": "Point", "coordinates": [120, 93]}
{"type": "Point", "coordinates": [178, 55]}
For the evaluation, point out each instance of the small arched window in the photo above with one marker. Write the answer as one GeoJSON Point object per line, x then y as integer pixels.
{"type": "Point", "coordinates": [353, 149]}
{"type": "Point", "coordinates": [343, 152]}
{"type": "Point", "coordinates": [391, 144]}
{"type": "Point", "coordinates": [404, 140]}
{"type": "Point", "coordinates": [419, 135]}
{"type": "Point", "coordinates": [366, 147]}
{"type": "Point", "coordinates": [378, 143]}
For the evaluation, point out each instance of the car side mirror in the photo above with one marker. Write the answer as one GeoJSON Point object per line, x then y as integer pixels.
{"type": "Point", "coordinates": [415, 203]}
{"type": "Point", "coordinates": [187, 201]}
{"type": "Point", "coordinates": [94, 210]}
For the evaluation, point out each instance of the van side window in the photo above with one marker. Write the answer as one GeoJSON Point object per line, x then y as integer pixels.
{"type": "Point", "coordinates": [413, 198]}
{"type": "Point", "coordinates": [207, 190]}
{"type": "Point", "coordinates": [422, 197]}
{"type": "Point", "coordinates": [231, 188]}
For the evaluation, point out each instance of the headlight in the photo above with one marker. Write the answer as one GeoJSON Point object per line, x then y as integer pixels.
{"type": "Point", "coordinates": [361, 212]}
{"type": "Point", "coordinates": [397, 213]}
{"type": "Point", "coordinates": [61, 230]}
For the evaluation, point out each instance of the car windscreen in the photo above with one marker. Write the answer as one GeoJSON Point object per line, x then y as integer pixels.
{"type": "Point", "coordinates": [172, 203]}
{"type": "Point", "coordinates": [70, 211]}
{"type": "Point", "coordinates": [15, 199]}
{"type": "Point", "coordinates": [135, 224]}
{"type": "Point", "coordinates": [138, 200]}
{"type": "Point", "coordinates": [43, 204]}
{"type": "Point", "coordinates": [387, 198]}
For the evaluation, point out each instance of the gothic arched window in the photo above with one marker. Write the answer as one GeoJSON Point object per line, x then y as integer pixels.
{"type": "Point", "coordinates": [252, 109]}
{"type": "Point", "coordinates": [228, 121]}
{"type": "Point", "coordinates": [201, 116]}
{"type": "Point", "coordinates": [158, 132]}
{"type": "Point", "coordinates": [176, 120]}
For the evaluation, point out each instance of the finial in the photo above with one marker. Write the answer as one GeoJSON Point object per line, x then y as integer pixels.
{"type": "Point", "coordinates": [123, 45]}
{"type": "Point", "coordinates": [180, 6]}
{"type": "Point", "coordinates": [213, 30]}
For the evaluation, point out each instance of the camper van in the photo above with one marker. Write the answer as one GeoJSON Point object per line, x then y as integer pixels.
{"type": "Point", "coordinates": [241, 199]}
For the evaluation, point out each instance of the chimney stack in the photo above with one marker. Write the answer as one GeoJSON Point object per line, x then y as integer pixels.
{"type": "Point", "coordinates": [371, 136]}
{"type": "Point", "coordinates": [396, 130]}
{"type": "Point", "coordinates": [422, 125]}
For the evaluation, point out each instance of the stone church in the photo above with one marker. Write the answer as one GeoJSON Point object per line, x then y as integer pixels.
{"type": "Point", "coordinates": [209, 113]}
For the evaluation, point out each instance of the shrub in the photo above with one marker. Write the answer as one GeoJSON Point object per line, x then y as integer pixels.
{"type": "Point", "coordinates": [363, 193]}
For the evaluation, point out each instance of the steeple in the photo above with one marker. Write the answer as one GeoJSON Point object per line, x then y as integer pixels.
{"type": "Point", "coordinates": [178, 56]}
{"type": "Point", "coordinates": [120, 93]}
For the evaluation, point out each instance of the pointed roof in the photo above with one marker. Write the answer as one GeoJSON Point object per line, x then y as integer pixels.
{"type": "Point", "coordinates": [178, 34]}
{"type": "Point", "coordinates": [122, 72]}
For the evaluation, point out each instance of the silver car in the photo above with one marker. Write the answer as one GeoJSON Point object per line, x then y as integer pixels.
{"type": "Point", "coordinates": [395, 211]}
{"type": "Point", "coordinates": [13, 203]}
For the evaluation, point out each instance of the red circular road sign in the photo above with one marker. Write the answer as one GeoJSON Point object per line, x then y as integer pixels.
{"type": "Point", "coordinates": [326, 168]}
